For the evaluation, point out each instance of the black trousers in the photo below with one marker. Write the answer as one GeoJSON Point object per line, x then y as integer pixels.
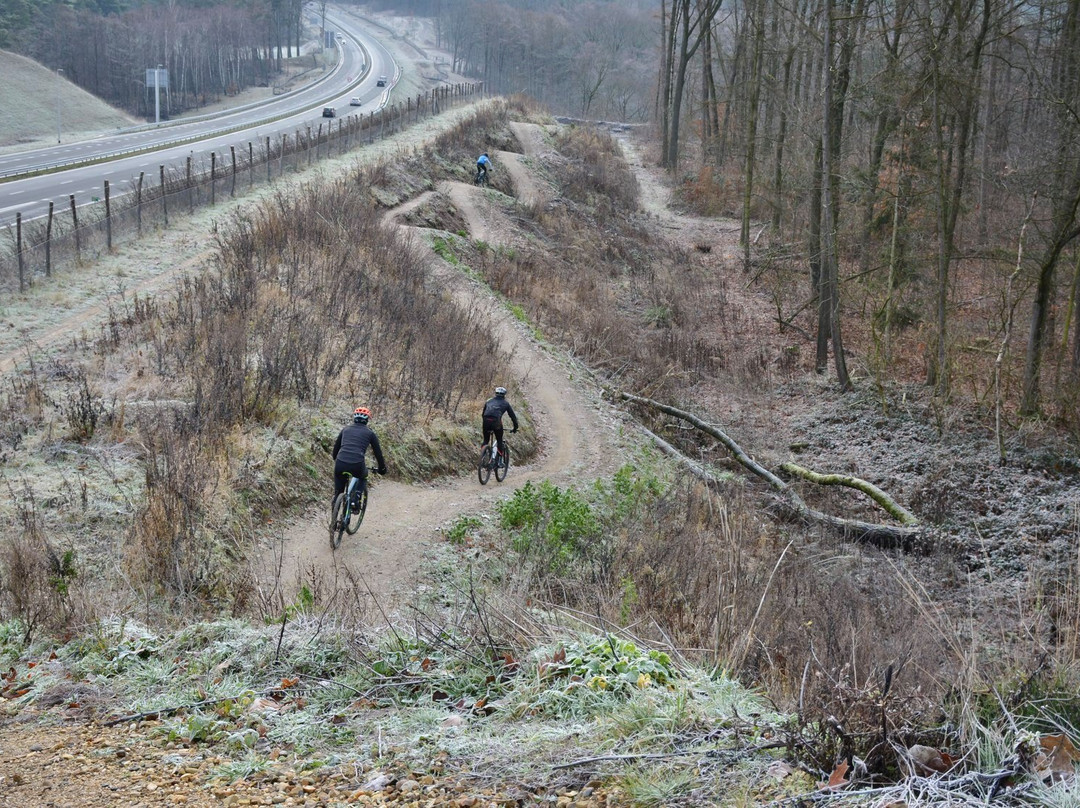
{"type": "Point", "coordinates": [358, 470]}
{"type": "Point", "coordinates": [493, 427]}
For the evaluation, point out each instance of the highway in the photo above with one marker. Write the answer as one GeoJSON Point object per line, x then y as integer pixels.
{"type": "Point", "coordinates": [363, 60]}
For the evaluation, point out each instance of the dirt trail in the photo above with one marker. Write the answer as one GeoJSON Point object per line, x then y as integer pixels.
{"type": "Point", "coordinates": [578, 433]}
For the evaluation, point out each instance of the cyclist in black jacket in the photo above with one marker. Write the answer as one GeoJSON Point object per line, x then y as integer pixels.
{"type": "Point", "coordinates": [494, 409]}
{"type": "Point", "coordinates": [350, 447]}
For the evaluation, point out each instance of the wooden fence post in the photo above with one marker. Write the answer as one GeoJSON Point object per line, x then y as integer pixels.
{"type": "Point", "coordinates": [269, 156]}
{"type": "Point", "coordinates": [251, 166]}
{"type": "Point", "coordinates": [75, 225]}
{"type": "Point", "coordinates": [48, 243]}
{"type": "Point", "coordinates": [213, 182]}
{"type": "Point", "coordinates": [164, 203]}
{"type": "Point", "coordinates": [18, 249]}
{"type": "Point", "coordinates": [187, 184]}
{"type": "Point", "coordinates": [281, 155]}
{"type": "Point", "coordinates": [108, 218]}
{"type": "Point", "coordinates": [307, 143]}
{"type": "Point", "coordinates": [138, 201]}
{"type": "Point", "coordinates": [232, 191]}
{"type": "Point", "coordinates": [318, 141]}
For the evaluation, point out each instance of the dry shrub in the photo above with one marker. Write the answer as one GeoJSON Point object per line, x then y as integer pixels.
{"type": "Point", "coordinates": [36, 582]}
{"type": "Point", "coordinates": [594, 174]}
{"type": "Point", "coordinates": [172, 550]}
{"type": "Point", "coordinates": [711, 193]}
{"type": "Point", "coordinates": [23, 409]}
{"type": "Point", "coordinates": [820, 630]}
{"type": "Point", "coordinates": [82, 409]}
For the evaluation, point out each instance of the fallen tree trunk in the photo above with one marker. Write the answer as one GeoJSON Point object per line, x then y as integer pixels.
{"type": "Point", "coordinates": [889, 536]}
{"type": "Point", "coordinates": [895, 510]}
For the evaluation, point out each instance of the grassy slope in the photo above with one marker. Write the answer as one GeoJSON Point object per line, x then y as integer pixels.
{"type": "Point", "coordinates": [28, 114]}
{"type": "Point", "coordinates": [228, 659]}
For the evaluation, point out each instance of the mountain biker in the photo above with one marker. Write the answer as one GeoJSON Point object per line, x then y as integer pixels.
{"type": "Point", "coordinates": [494, 409]}
{"type": "Point", "coordinates": [349, 449]}
{"type": "Point", "coordinates": [483, 165]}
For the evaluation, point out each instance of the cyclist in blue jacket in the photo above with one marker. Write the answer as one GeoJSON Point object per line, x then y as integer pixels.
{"type": "Point", "coordinates": [483, 165]}
{"type": "Point", "coordinates": [494, 409]}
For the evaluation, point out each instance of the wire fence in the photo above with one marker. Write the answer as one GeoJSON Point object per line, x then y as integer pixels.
{"type": "Point", "coordinates": [34, 247]}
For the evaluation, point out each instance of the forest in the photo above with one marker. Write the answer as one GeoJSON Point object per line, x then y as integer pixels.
{"type": "Point", "coordinates": [915, 161]}
{"type": "Point", "coordinates": [210, 49]}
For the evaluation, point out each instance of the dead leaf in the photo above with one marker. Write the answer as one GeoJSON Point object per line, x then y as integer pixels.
{"type": "Point", "coordinates": [286, 682]}
{"type": "Point", "coordinates": [836, 779]}
{"type": "Point", "coordinates": [779, 769]}
{"type": "Point", "coordinates": [261, 704]}
{"type": "Point", "coordinates": [927, 760]}
{"type": "Point", "coordinates": [1056, 761]}
{"type": "Point", "coordinates": [427, 664]}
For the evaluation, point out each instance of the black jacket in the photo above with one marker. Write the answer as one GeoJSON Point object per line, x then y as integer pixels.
{"type": "Point", "coordinates": [495, 408]}
{"type": "Point", "coordinates": [353, 442]}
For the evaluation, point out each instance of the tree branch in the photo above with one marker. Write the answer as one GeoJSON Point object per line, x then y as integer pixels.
{"type": "Point", "coordinates": [879, 535]}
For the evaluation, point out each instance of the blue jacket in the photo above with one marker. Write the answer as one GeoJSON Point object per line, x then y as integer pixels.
{"type": "Point", "coordinates": [483, 161]}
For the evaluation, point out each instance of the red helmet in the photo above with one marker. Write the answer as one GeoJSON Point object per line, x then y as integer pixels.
{"type": "Point", "coordinates": [361, 415]}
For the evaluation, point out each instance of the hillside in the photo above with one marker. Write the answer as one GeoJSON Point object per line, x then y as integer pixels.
{"type": "Point", "coordinates": [577, 634]}
{"type": "Point", "coordinates": [32, 95]}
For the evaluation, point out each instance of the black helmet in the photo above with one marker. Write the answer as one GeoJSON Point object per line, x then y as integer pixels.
{"type": "Point", "coordinates": [500, 392]}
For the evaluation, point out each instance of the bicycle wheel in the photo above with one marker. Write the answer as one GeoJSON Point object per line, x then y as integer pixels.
{"type": "Point", "coordinates": [357, 516]}
{"type": "Point", "coordinates": [484, 469]}
{"type": "Point", "coordinates": [337, 520]}
{"type": "Point", "coordinates": [503, 464]}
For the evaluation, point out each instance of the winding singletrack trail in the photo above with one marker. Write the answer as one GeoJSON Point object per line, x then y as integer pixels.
{"type": "Point", "coordinates": [578, 431]}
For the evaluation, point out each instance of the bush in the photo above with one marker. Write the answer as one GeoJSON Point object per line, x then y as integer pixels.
{"type": "Point", "coordinates": [554, 523]}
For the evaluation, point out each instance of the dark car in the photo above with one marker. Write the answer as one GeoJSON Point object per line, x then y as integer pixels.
{"type": "Point", "coordinates": [381, 82]}
{"type": "Point", "coordinates": [329, 112]}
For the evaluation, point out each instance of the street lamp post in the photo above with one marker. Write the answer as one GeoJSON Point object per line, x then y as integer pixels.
{"type": "Point", "coordinates": [59, 70]}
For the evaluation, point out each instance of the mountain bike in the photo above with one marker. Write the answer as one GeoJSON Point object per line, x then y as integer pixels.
{"type": "Point", "coordinates": [481, 178]}
{"type": "Point", "coordinates": [499, 462]}
{"type": "Point", "coordinates": [348, 510]}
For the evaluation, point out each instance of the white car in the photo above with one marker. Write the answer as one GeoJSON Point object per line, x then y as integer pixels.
{"type": "Point", "coordinates": [355, 102]}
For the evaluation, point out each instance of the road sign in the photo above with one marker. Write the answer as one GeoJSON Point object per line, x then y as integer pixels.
{"type": "Point", "coordinates": [160, 74]}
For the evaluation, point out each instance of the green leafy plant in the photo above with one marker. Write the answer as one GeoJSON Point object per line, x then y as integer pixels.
{"type": "Point", "coordinates": [558, 523]}
{"type": "Point", "coordinates": [614, 665]}
{"type": "Point", "coordinates": [445, 250]}
{"type": "Point", "coordinates": [461, 527]}
{"type": "Point", "coordinates": [64, 572]}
